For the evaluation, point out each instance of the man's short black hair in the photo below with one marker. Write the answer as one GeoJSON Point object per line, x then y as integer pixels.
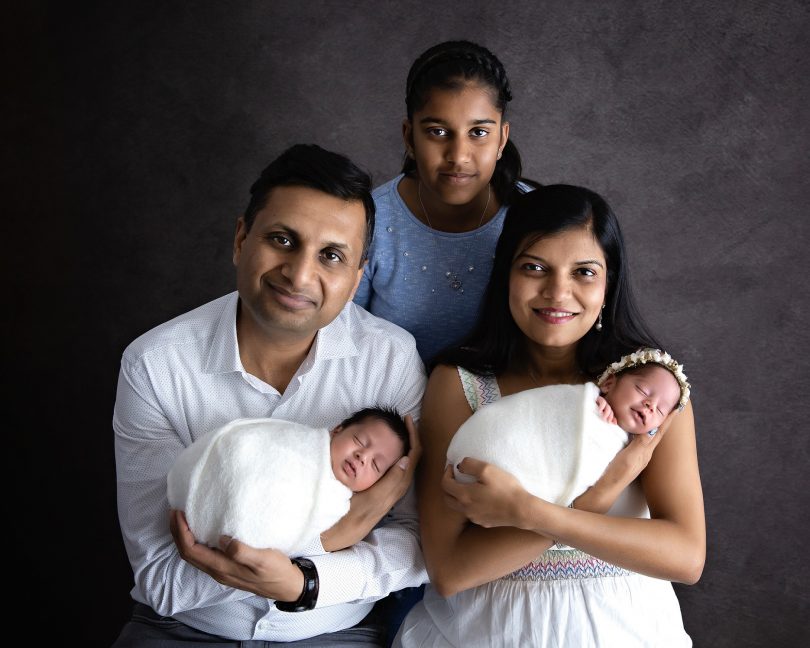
{"type": "Point", "coordinates": [309, 165]}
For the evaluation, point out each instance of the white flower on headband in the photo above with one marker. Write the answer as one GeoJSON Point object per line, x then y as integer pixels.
{"type": "Point", "coordinates": [646, 355]}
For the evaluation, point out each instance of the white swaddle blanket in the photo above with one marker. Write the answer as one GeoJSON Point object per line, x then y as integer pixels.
{"type": "Point", "coordinates": [551, 438]}
{"type": "Point", "coordinates": [266, 482]}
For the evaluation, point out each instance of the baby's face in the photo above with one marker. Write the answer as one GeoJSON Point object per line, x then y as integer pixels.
{"type": "Point", "coordinates": [641, 400]}
{"type": "Point", "coordinates": [361, 453]}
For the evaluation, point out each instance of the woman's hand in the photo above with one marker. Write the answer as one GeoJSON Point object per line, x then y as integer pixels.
{"type": "Point", "coordinates": [369, 506]}
{"type": "Point", "coordinates": [493, 500]}
{"type": "Point", "coordinates": [623, 469]}
{"type": "Point", "coordinates": [635, 456]}
{"type": "Point", "coordinates": [265, 572]}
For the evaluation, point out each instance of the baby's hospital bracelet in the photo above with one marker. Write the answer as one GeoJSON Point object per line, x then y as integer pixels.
{"type": "Point", "coordinates": [309, 595]}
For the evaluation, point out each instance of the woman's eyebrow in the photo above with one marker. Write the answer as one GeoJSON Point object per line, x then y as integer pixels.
{"type": "Point", "coordinates": [577, 263]}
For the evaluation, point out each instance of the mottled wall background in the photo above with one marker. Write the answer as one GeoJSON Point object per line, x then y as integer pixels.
{"type": "Point", "coordinates": [136, 129]}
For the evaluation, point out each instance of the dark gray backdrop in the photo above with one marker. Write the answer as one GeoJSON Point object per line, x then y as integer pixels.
{"type": "Point", "coordinates": [137, 128]}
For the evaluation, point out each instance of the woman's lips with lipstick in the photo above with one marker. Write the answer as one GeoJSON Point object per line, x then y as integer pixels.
{"type": "Point", "coordinates": [554, 316]}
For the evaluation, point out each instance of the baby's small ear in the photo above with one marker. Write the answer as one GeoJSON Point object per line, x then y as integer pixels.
{"type": "Point", "coordinates": [335, 430]}
{"type": "Point", "coordinates": [608, 384]}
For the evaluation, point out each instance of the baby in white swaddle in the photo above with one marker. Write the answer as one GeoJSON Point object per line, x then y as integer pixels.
{"type": "Point", "coordinates": [279, 484]}
{"type": "Point", "coordinates": [558, 440]}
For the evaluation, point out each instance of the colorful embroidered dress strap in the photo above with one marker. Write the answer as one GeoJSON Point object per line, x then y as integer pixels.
{"type": "Point", "coordinates": [478, 389]}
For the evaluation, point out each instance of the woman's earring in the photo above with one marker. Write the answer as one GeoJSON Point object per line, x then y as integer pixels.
{"type": "Point", "coordinates": [598, 326]}
{"type": "Point", "coordinates": [500, 153]}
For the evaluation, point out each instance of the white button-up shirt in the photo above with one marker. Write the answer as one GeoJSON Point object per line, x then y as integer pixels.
{"type": "Point", "coordinates": [184, 378]}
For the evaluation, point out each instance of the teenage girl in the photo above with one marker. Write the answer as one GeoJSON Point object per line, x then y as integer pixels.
{"type": "Point", "coordinates": [438, 221]}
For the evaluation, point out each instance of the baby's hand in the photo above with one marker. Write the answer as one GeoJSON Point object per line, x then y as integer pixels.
{"type": "Point", "coordinates": [605, 410]}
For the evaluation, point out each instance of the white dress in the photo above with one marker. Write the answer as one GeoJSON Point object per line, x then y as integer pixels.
{"type": "Point", "coordinates": [564, 599]}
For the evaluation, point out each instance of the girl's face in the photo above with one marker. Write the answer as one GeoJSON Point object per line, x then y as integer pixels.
{"type": "Point", "coordinates": [455, 140]}
{"type": "Point", "coordinates": [557, 287]}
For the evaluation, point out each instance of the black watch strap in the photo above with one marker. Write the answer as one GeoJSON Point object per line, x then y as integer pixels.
{"type": "Point", "coordinates": [309, 595]}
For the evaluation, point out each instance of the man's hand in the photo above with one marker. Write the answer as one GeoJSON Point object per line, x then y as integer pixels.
{"type": "Point", "coordinates": [369, 506]}
{"type": "Point", "coordinates": [265, 572]}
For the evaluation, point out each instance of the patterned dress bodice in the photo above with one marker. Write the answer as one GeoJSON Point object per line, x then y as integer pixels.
{"type": "Point", "coordinates": [560, 562]}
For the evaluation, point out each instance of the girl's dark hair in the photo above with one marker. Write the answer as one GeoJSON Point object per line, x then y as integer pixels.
{"type": "Point", "coordinates": [496, 343]}
{"type": "Point", "coordinates": [449, 66]}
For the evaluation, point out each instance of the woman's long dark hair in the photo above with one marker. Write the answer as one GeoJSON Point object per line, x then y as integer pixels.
{"type": "Point", "coordinates": [496, 343]}
{"type": "Point", "coordinates": [448, 66]}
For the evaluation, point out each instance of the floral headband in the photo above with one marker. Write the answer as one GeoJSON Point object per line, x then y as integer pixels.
{"type": "Point", "coordinates": [645, 355]}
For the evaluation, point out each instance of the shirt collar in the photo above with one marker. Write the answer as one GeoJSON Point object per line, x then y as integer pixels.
{"type": "Point", "coordinates": [335, 340]}
{"type": "Point", "coordinates": [223, 353]}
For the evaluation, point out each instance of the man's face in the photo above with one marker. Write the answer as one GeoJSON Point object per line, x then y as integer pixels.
{"type": "Point", "coordinates": [300, 262]}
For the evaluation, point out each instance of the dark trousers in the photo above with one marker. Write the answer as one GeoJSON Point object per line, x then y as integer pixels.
{"type": "Point", "coordinates": [390, 611]}
{"type": "Point", "coordinates": [147, 629]}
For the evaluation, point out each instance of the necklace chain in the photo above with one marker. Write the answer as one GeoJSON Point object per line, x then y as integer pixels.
{"type": "Point", "coordinates": [455, 282]}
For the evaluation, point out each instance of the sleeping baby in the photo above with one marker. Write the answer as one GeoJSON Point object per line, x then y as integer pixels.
{"type": "Point", "coordinates": [557, 440]}
{"type": "Point", "coordinates": [274, 483]}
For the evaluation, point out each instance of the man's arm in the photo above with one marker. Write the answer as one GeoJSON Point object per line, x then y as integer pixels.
{"type": "Point", "coordinates": [272, 574]}
{"type": "Point", "coordinates": [146, 445]}
{"type": "Point", "coordinates": [370, 506]}
{"type": "Point", "coordinates": [388, 559]}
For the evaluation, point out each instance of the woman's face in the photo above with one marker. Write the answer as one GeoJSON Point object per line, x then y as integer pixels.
{"type": "Point", "coordinates": [455, 139]}
{"type": "Point", "coordinates": [557, 287]}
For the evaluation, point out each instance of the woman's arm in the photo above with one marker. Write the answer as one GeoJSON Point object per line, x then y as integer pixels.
{"type": "Point", "coordinates": [459, 555]}
{"type": "Point", "coordinates": [671, 545]}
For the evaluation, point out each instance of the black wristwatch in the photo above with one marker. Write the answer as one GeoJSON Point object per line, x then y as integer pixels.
{"type": "Point", "coordinates": [309, 595]}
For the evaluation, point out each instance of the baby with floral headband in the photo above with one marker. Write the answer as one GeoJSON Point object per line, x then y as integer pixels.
{"type": "Point", "coordinates": [557, 440]}
{"type": "Point", "coordinates": [640, 391]}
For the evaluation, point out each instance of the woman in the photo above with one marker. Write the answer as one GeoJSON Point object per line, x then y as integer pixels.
{"type": "Point", "coordinates": [558, 309]}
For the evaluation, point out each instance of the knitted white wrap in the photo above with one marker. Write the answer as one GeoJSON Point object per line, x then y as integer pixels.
{"type": "Point", "coordinates": [551, 438]}
{"type": "Point", "coordinates": [266, 482]}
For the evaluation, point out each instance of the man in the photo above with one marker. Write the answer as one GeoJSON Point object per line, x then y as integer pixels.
{"type": "Point", "coordinates": [289, 344]}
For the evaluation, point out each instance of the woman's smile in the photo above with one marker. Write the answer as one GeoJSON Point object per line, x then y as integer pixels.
{"type": "Point", "coordinates": [555, 316]}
